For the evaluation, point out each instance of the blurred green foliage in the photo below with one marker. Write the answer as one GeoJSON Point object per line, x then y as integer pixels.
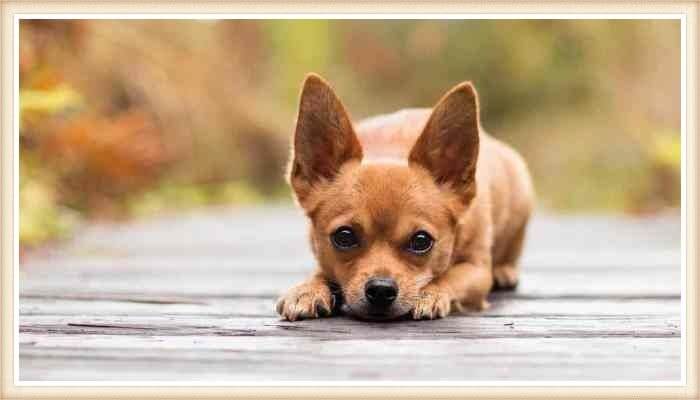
{"type": "Point", "coordinates": [133, 117]}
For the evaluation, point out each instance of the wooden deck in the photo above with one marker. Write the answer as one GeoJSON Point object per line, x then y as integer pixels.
{"type": "Point", "coordinates": [191, 298]}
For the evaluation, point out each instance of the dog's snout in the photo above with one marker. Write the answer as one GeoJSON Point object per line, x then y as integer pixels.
{"type": "Point", "coordinates": [381, 292]}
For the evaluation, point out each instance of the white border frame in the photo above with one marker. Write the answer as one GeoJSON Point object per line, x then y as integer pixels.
{"type": "Point", "coordinates": [343, 16]}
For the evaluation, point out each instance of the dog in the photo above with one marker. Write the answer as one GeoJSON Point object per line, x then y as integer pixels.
{"type": "Point", "coordinates": [412, 214]}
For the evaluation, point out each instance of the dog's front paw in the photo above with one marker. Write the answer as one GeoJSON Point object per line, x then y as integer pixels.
{"type": "Point", "coordinates": [505, 277]}
{"type": "Point", "coordinates": [308, 300]}
{"type": "Point", "coordinates": [432, 303]}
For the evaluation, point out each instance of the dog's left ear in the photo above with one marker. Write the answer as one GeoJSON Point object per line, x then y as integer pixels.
{"type": "Point", "coordinates": [448, 147]}
{"type": "Point", "coordinates": [324, 139]}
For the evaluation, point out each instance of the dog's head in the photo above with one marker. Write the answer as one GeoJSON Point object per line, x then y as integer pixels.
{"type": "Point", "coordinates": [382, 231]}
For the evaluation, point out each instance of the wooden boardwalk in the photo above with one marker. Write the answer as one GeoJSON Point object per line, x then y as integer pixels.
{"type": "Point", "coordinates": [191, 298]}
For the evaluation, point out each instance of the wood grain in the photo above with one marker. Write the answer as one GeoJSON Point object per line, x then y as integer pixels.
{"type": "Point", "coordinates": [226, 359]}
{"type": "Point", "coordinates": [190, 297]}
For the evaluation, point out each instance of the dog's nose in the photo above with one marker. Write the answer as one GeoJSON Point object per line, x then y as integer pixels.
{"type": "Point", "coordinates": [381, 292]}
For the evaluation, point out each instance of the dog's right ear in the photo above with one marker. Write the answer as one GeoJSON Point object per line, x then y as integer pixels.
{"type": "Point", "coordinates": [324, 139]}
{"type": "Point", "coordinates": [448, 147]}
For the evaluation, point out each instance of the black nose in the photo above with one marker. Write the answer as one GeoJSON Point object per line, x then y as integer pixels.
{"type": "Point", "coordinates": [381, 292]}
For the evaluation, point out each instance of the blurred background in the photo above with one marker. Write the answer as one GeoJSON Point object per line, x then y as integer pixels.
{"type": "Point", "coordinates": [126, 119]}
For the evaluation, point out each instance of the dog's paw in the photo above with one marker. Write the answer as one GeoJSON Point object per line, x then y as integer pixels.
{"type": "Point", "coordinates": [308, 300]}
{"type": "Point", "coordinates": [432, 303]}
{"type": "Point", "coordinates": [505, 277]}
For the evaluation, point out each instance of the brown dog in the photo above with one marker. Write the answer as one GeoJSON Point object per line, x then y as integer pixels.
{"type": "Point", "coordinates": [416, 212]}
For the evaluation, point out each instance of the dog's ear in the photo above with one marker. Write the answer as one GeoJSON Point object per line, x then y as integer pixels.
{"type": "Point", "coordinates": [448, 147]}
{"type": "Point", "coordinates": [324, 139]}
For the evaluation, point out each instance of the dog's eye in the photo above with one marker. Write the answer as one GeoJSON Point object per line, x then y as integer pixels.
{"type": "Point", "coordinates": [344, 238]}
{"type": "Point", "coordinates": [421, 243]}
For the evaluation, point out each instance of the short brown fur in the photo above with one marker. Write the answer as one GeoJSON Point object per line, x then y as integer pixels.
{"type": "Point", "coordinates": [432, 170]}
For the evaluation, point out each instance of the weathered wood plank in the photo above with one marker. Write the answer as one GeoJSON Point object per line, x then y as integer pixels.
{"type": "Point", "coordinates": [60, 357]}
{"type": "Point", "coordinates": [243, 228]}
{"type": "Point", "coordinates": [200, 282]}
{"type": "Point", "coordinates": [140, 305]}
{"type": "Point", "coordinates": [466, 327]}
{"type": "Point", "coordinates": [280, 234]}
{"type": "Point", "coordinates": [300, 260]}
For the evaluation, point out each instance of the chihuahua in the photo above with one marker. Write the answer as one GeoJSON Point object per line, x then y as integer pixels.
{"type": "Point", "coordinates": [412, 214]}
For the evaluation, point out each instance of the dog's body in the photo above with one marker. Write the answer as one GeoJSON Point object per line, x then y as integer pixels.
{"type": "Point", "coordinates": [415, 212]}
{"type": "Point", "coordinates": [504, 196]}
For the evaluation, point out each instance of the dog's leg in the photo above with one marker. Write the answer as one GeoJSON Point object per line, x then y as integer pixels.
{"type": "Point", "coordinates": [309, 299]}
{"type": "Point", "coordinates": [463, 285]}
{"type": "Point", "coordinates": [506, 271]}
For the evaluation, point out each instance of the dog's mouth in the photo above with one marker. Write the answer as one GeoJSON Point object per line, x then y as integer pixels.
{"type": "Point", "coordinates": [364, 313]}
{"type": "Point", "coordinates": [362, 310]}
{"type": "Point", "coordinates": [385, 316]}
{"type": "Point", "coordinates": [376, 316]}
